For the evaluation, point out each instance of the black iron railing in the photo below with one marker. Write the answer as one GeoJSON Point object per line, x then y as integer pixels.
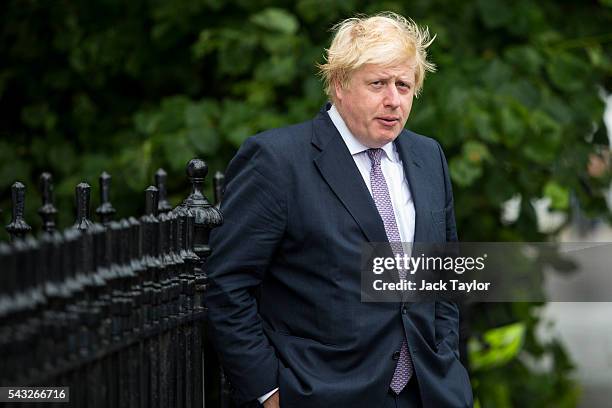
{"type": "Point", "coordinates": [112, 309]}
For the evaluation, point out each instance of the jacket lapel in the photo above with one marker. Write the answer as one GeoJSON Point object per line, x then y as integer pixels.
{"type": "Point", "coordinates": [417, 182]}
{"type": "Point", "coordinates": [338, 169]}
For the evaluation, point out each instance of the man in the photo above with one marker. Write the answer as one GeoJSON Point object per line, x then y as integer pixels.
{"type": "Point", "coordinates": [299, 203]}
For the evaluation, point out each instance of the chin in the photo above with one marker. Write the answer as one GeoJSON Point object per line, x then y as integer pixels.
{"type": "Point", "coordinates": [388, 138]}
{"type": "Point", "coordinates": [381, 141]}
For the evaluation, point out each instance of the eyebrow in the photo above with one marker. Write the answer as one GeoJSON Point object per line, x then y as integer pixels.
{"type": "Point", "coordinates": [383, 77]}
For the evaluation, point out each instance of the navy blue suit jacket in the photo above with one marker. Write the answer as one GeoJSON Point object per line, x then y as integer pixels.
{"type": "Point", "coordinates": [296, 213]}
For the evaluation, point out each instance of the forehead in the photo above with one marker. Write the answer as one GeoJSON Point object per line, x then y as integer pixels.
{"type": "Point", "coordinates": [405, 70]}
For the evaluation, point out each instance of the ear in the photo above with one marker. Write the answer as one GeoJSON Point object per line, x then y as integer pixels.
{"type": "Point", "coordinates": [338, 90]}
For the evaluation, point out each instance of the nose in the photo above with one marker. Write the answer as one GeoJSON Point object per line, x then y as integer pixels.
{"type": "Point", "coordinates": [392, 97]}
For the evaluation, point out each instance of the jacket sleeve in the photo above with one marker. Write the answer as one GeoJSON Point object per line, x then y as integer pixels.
{"type": "Point", "coordinates": [254, 210]}
{"type": "Point", "coordinates": [447, 313]}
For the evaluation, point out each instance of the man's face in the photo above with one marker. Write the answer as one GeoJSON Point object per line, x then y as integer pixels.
{"type": "Point", "coordinates": [376, 102]}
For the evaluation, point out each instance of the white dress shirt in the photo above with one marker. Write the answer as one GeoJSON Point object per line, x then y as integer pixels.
{"type": "Point", "coordinates": [392, 169]}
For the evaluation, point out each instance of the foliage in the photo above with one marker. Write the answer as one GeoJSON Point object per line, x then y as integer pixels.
{"type": "Point", "coordinates": [131, 86]}
{"type": "Point", "coordinates": [499, 346]}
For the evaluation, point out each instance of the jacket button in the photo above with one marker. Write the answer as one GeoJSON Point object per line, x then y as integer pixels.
{"type": "Point", "coordinates": [396, 355]}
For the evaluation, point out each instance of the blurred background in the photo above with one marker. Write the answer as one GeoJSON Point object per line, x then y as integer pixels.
{"type": "Point", "coordinates": [517, 103]}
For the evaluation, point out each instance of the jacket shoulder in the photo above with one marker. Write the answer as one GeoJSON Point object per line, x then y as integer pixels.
{"type": "Point", "coordinates": [273, 151]}
{"type": "Point", "coordinates": [286, 138]}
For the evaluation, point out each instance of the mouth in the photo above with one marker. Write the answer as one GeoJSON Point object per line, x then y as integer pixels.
{"type": "Point", "coordinates": [388, 121]}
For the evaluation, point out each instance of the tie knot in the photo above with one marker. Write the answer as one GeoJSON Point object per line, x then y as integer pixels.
{"type": "Point", "coordinates": [375, 156]}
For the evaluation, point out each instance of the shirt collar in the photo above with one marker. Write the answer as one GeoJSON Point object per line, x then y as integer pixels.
{"type": "Point", "coordinates": [354, 145]}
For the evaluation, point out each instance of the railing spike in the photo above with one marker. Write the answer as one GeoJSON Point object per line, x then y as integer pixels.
{"type": "Point", "coordinates": [218, 187]}
{"type": "Point", "coordinates": [105, 211]}
{"type": "Point", "coordinates": [47, 212]}
{"type": "Point", "coordinates": [83, 197]}
{"type": "Point", "coordinates": [18, 227]}
{"type": "Point", "coordinates": [161, 178]}
{"type": "Point", "coordinates": [151, 200]}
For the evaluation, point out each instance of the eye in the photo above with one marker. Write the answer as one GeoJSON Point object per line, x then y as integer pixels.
{"type": "Point", "coordinates": [377, 84]}
{"type": "Point", "coordinates": [403, 86]}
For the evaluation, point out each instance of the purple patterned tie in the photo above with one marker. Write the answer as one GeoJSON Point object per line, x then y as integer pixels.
{"type": "Point", "coordinates": [382, 199]}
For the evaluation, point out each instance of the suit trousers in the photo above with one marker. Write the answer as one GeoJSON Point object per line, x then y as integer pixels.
{"type": "Point", "coordinates": [410, 396]}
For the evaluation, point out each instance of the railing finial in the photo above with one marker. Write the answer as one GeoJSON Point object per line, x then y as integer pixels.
{"type": "Point", "coordinates": [18, 227]}
{"type": "Point", "coordinates": [83, 197]}
{"type": "Point", "coordinates": [105, 211]}
{"type": "Point", "coordinates": [47, 212]}
{"type": "Point", "coordinates": [161, 178]}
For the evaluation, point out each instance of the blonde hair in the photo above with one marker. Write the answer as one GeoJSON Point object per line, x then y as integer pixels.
{"type": "Point", "coordinates": [385, 39]}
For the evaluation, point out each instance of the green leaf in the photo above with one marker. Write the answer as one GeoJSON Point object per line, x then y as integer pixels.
{"type": "Point", "coordinates": [463, 171]}
{"type": "Point", "coordinates": [237, 121]}
{"type": "Point", "coordinates": [546, 138]}
{"type": "Point", "coordinates": [522, 91]}
{"type": "Point", "coordinates": [483, 124]}
{"type": "Point", "coordinates": [557, 109]}
{"type": "Point", "coordinates": [197, 115]}
{"type": "Point", "coordinates": [279, 44]}
{"type": "Point", "coordinates": [277, 70]}
{"type": "Point", "coordinates": [237, 51]}
{"type": "Point", "coordinates": [456, 98]}
{"type": "Point", "coordinates": [204, 140]}
{"type": "Point", "coordinates": [500, 346]}
{"type": "Point", "coordinates": [177, 150]}
{"type": "Point", "coordinates": [512, 125]}
{"type": "Point", "coordinates": [276, 19]}
{"type": "Point", "coordinates": [172, 113]}
{"type": "Point", "coordinates": [566, 71]}
{"type": "Point", "coordinates": [239, 134]}
{"type": "Point", "coordinates": [63, 158]}
{"type": "Point", "coordinates": [329, 11]}
{"type": "Point", "coordinates": [524, 57]}
{"type": "Point", "coordinates": [134, 165]}
{"type": "Point", "coordinates": [39, 117]}
{"type": "Point", "coordinates": [495, 13]}
{"type": "Point", "coordinates": [146, 123]}
{"type": "Point", "coordinates": [496, 72]}
{"type": "Point", "coordinates": [205, 44]}
{"type": "Point", "coordinates": [476, 152]}
{"type": "Point", "coordinates": [558, 195]}
{"type": "Point", "coordinates": [11, 171]}
{"type": "Point", "coordinates": [258, 94]}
